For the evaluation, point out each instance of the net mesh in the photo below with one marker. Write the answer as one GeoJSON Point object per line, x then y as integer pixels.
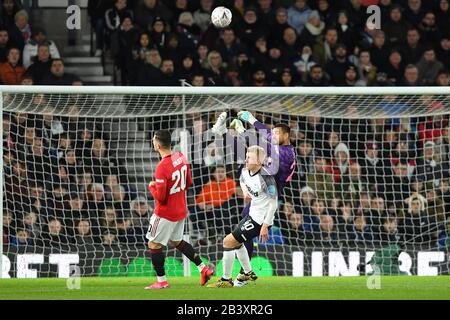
{"type": "Point", "coordinates": [372, 173]}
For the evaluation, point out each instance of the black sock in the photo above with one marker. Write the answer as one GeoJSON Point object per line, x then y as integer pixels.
{"type": "Point", "coordinates": [187, 249]}
{"type": "Point", "coordinates": [158, 261]}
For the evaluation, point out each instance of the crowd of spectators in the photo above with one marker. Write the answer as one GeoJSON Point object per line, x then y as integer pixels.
{"type": "Point", "coordinates": [64, 185]}
{"type": "Point", "coordinates": [27, 56]}
{"type": "Point", "coordinates": [276, 42]}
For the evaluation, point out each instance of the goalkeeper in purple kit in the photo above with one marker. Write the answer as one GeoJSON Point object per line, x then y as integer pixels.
{"type": "Point", "coordinates": [281, 160]}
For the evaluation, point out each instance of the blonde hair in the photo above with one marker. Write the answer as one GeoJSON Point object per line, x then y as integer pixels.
{"type": "Point", "coordinates": [416, 196]}
{"type": "Point", "coordinates": [209, 58]}
{"type": "Point", "coordinates": [259, 151]}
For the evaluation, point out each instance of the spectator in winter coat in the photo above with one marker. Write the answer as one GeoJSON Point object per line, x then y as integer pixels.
{"type": "Point", "coordinates": [277, 29]}
{"type": "Point", "coordinates": [122, 41]}
{"type": "Point", "coordinates": [316, 77]}
{"type": "Point", "coordinates": [168, 76]}
{"type": "Point", "coordinates": [428, 167]}
{"type": "Point", "coordinates": [328, 229]}
{"type": "Point", "coordinates": [339, 65]}
{"type": "Point", "coordinates": [410, 76]}
{"type": "Point", "coordinates": [367, 72]}
{"type": "Point", "coordinates": [324, 49]}
{"type": "Point", "coordinates": [429, 31]}
{"type": "Point", "coordinates": [443, 51]}
{"type": "Point", "coordinates": [429, 67]}
{"type": "Point", "coordinates": [374, 168]}
{"type": "Point", "coordinates": [115, 15]}
{"type": "Point", "coordinates": [303, 63]}
{"type": "Point", "coordinates": [362, 230]}
{"type": "Point", "coordinates": [312, 30]}
{"type": "Point", "coordinates": [4, 42]}
{"type": "Point", "coordinates": [8, 10]}
{"type": "Point", "coordinates": [416, 225]}
{"type": "Point", "coordinates": [58, 76]}
{"type": "Point", "coordinates": [10, 71]}
{"type": "Point", "coordinates": [291, 224]}
{"type": "Point", "coordinates": [202, 16]}
{"type": "Point", "coordinates": [42, 64]}
{"type": "Point", "coordinates": [148, 72]}
{"type": "Point", "coordinates": [341, 161]}
{"type": "Point", "coordinates": [389, 231]}
{"type": "Point", "coordinates": [396, 28]}
{"type": "Point", "coordinates": [38, 38]}
{"type": "Point", "coordinates": [250, 28]}
{"type": "Point", "coordinates": [140, 217]}
{"type": "Point", "coordinates": [413, 50]}
{"type": "Point", "coordinates": [347, 32]}
{"type": "Point", "coordinates": [20, 32]}
{"type": "Point", "coordinates": [443, 15]}
{"type": "Point", "coordinates": [229, 46]}
{"type": "Point", "coordinates": [321, 180]}
{"type": "Point", "coordinates": [147, 10]}
{"type": "Point", "coordinates": [188, 32]}
{"type": "Point", "coordinates": [158, 34]}
{"type": "Point", "coordinates": [298, 15]}
{"type": "Point", "coordinates": [379, 51]}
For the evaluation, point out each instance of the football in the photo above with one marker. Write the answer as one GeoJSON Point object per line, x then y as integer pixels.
{"type": "Point", "coordinates": [221, 17]}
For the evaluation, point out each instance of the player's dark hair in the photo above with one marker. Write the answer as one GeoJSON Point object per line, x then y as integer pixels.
{"type": "Point", "coordinates": [284, 127]}
{"type": "Point", "coordinates": [164, 138]}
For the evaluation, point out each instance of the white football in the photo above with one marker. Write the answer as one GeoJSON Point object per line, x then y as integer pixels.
{"type": "Point", "coordinates": [221, 17]}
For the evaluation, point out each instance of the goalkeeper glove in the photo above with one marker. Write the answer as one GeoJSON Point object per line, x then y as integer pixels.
{"type": "Point", "coordinates": [247, 116]}
{"type": "Point", "coordinates": [237, 125]}
{"type": "Point", "coordinates": [220, 127]}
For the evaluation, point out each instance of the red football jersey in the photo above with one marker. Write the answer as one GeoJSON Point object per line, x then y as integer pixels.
{"type": "Point", "coordinates": [173, 178]}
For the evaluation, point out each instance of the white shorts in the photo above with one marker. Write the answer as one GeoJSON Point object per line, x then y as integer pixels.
{"type": "Point", "coordinates": [162, 230]}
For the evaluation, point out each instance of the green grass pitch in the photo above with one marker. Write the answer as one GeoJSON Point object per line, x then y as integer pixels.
{"type": "Point", "coordinates": [265, 288]}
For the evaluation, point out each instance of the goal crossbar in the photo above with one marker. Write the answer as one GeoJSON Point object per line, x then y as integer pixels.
{"type": "Point", "coordinates": [229, 90]}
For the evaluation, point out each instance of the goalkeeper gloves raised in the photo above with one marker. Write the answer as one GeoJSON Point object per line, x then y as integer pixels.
{"type": "Point", "coordinates": [237, 125]}
{"type": "Point", "coordinates": [220, 127]}
{"type": "Point", "coordinates": [246, 116]}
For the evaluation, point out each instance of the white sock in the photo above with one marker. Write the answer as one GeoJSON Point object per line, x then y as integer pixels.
{"type": "Point", "coordinates": [201, 266]}
{"type": "Point", "coordinates": [161, 279]}
{"type": "Point", "coordinates": [242, 255]}
{"type": "Point", "coordinates": [228, 260]}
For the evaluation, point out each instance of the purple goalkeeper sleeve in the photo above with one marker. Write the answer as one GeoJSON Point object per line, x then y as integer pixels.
{"type": "Point", "coordinates": [281, 164]}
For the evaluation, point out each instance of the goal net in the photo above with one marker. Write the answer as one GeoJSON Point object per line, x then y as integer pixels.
{"type": "Point", "coordinates": [370, 190]}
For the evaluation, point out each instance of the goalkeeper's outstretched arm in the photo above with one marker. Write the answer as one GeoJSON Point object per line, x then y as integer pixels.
{"type": "Point", "coordinates": [247, 116]}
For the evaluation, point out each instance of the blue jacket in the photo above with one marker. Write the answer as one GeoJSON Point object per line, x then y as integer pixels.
{"type": "Point", "coordinates": [298, 18]}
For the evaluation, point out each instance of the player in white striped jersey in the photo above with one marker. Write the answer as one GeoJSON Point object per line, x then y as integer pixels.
{"type": "Point", "coordinates": [258, 185]}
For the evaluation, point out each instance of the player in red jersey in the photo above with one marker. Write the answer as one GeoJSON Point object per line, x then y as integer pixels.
{"type": "Point", "coordinates": [172, 178]}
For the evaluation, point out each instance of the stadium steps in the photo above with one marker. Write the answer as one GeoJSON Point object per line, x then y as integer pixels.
{"type": "Point", "coordinates": [82, 60]}
{"type": "Point", "coordinates": [80, 50]}
{"type": "Point", "coordinates": [78, 61]}
{"type": "Point", "coordinates": [131, 144]}
{"type": "Point", "coordinates": [88, 70]}
{"type": "Point", "coordinates": [97, 80]}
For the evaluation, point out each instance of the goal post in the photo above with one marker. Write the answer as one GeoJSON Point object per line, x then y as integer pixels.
{"type": "Point", "coordinates": [371, 180]}
{"type": "Point", "coordinates": [1, 192]}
